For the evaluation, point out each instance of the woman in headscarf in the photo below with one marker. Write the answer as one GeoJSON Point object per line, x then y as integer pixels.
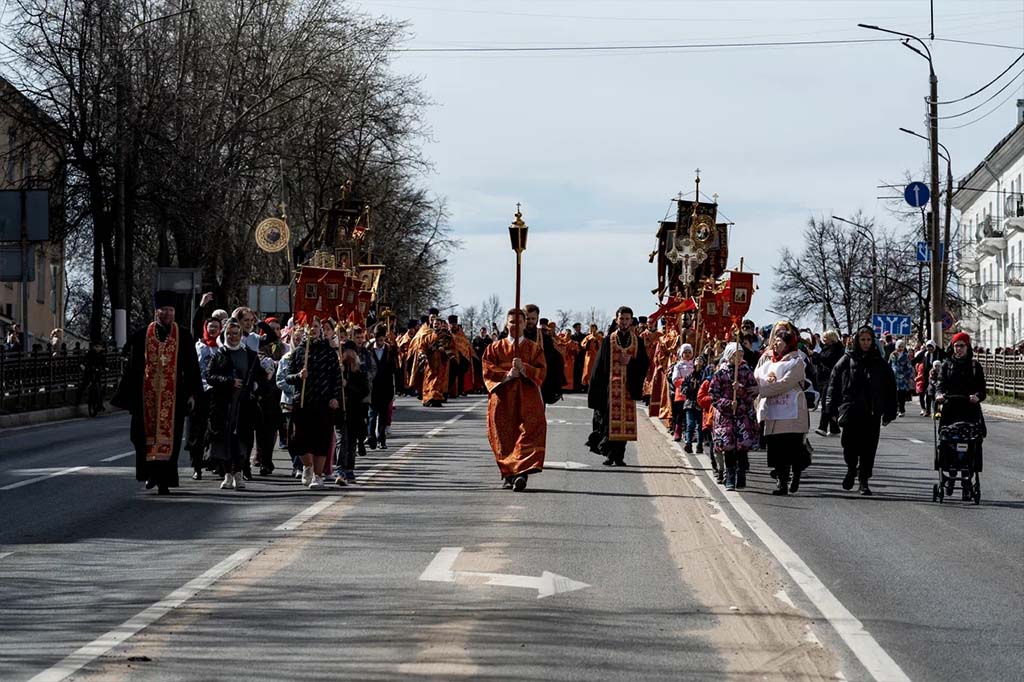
{"type": "Point", "coordinates": [782, 406]}
{"type": "Point", "coordinates": [903, 371]}
{"type": "Point", "coordinates": [862, 396]}
{"type": "Point", "coordinates": [733, 389]}
{"type": "Point", "coordinates": [206, 348]}
{"type": "Point", "coordinates": [960, 389]}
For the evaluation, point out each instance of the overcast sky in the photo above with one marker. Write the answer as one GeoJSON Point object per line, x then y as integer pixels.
{"type": "Point", "coordinates": [595, 144]}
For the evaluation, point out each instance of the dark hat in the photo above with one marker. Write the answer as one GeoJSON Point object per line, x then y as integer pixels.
{"type": "Point", "coordinates": [642, 319]}
{"type": "Point", "coordinates": [433, 311]}
{"type": "Point", "coordinates": [349, 345]}
{"type": "Point", "coordinates": [165, 299]}
{"type": "Point", "coordinates": [453, 319]}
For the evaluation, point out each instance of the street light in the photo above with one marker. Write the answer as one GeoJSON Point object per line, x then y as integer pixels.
{"type": "Point", "coordinates": [936, 285]}
{"type": "Point", "coordinates": [874, 262]}
{"type": "Point", "coordinates": [949, 205]}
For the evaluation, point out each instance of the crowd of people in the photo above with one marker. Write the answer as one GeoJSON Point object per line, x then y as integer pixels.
{"type": "Point", "coordinates": [324, 390]}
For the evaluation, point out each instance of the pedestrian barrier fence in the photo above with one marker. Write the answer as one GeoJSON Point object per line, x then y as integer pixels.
{"type": "Point", "coordinates": [41, 380]}
{"type": "Point", "coordinates": [1004, 374]}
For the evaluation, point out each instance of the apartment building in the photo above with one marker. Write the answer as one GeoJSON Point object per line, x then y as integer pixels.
{"type": "Point", "coordinates": [990, 261]}
{"type": "Point", "coordinates": [29, 159]}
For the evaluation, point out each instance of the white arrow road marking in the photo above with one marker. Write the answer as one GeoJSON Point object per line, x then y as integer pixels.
{"type": "Point", "coordinates": [565, 465]}
{"type": "Point", "coordinates": [4, 555]}
{"type": "Point", "coordinates": [918, 442]}
{"type": "Point", "coordinates": [30, 481]}
{"type": "Point", "coordinates": [440, 570]}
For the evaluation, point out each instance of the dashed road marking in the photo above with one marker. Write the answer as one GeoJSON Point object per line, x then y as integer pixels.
{"type": "Point", "coordinates": [114, 458]}
{"type": "Point", "coordinates": [98, 647]}
{"type": "Point", "coordinates": [37, 479]}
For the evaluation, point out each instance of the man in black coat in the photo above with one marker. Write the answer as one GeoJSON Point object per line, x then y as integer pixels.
{"type": "Point", "coordinates": [554, 380]}
{"type": "Point", "coordinates": [382, 391]}
{"type": "Point", "coordinates": [159, 387]}
{"type": "Point", "coordinates": [602, 441]}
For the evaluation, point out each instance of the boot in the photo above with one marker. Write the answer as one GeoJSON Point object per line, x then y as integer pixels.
{"type": "Point", "coordinates": [782, 488]}
{"type": "Point", "coordinates": [730, 478]}
{"type": "Point", "coordinates": [741, 477]}
{"type": "Point", "coordinates": [677, 434]}
{"type": "Point", "coordinates": [795, 484]}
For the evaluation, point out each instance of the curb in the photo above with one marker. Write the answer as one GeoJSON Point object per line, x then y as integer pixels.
{"type": "Point", "coordinates": [1003, 412]}
{"type": "Point", "coordinates": [55, 414]}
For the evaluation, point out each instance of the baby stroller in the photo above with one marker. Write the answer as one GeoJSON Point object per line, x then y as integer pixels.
{"type": "Point", "coordinates": [958, 456]}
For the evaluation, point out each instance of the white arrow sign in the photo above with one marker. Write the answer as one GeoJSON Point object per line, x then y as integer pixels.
{"type": "Point", "coordinates": [440, 571]}
{"type": "Point", "coordinates": [566, 465]}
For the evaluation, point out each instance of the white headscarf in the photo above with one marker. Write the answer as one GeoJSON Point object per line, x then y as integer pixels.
{"type": "Point", "coordinates": [730, 350]}
{"type": "Point", "coordinates": [682, 349]}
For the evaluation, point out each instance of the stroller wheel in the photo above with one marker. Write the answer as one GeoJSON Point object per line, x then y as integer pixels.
{"type": "Point", "coordinates": [977, 492]}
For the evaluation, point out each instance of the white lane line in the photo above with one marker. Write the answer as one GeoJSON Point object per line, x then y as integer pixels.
{"type": "Point", "coordinates": [401, 455]}
{"type": "Point", "coordinates": [114, 458]}
{"type": "Point", "coordinates": [868, 651]}
{"type": "Point", "coordinates": [30, 481]}
{"type": "Point", "coordinates": [98, 647]}
{"type": "Point", "coordinates": [4, 555]}
{"type": "Point", "coordinates": [916, 441]}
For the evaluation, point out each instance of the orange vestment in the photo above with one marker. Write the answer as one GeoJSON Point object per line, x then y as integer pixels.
{"type": "Point", "coordinates": [591, 346]}
{"type": "Point", "coordinates": [431, 372]}
{"type": "Point", "coordinates": [516, 425]}
{"type": "Point", "coordinates": [569, 350]}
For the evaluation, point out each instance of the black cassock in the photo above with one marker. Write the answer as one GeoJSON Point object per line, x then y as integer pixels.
{"type": "Point", "coordinates": [597, 396]}
{"type": "Point", "coordinates": [129, 395]}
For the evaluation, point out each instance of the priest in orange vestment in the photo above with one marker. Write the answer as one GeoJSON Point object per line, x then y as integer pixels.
{"type": "Point", "coordinates": [590, 346]}
{"type": "Point", "coordinates": [516, 425]}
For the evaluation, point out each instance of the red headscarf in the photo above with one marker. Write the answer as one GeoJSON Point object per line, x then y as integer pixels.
{"type": "Point", "coordinates": [210, 341]}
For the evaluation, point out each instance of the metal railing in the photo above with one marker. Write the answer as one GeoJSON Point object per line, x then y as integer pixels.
{"type": "Point", "coordinates": [1004, 374]}
{"type": "Point", "coordinates": [1015, 274]}
{"type": "Point", "coordinates": [41, 380]}
{"type": "Point", "coordinates": [1013, 207]}
{"type": "Point", "coordinates": [992, 292]}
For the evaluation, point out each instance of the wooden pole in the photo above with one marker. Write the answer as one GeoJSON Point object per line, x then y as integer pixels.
{"type": "Point", "coordinates": [519, 283]}
{"type": "Point", "coordinates": [305, 365]}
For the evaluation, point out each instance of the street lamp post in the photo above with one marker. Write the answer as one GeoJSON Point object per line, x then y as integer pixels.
{"type": "Point", "coordinates": [874, 262]}
{"type": "Point", "coordinates": [949, 206]}
{"type": "Point", "coordinates": [936, 284]}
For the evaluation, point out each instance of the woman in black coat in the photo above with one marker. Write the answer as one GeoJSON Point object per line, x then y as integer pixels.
{"type": "Point", "coordinates": [862, 397]}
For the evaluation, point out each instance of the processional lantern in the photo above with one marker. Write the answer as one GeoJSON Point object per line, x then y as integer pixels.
{"type": "Point", "coordinates": [517, 232]}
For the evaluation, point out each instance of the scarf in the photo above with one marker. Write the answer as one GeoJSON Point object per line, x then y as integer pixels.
{"type": "Point", "coordinates": [208, 340]}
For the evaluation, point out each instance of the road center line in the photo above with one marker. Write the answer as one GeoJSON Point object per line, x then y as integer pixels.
{"type": "Point", "coordinates": [98, 647]}
{"type": "Point", "coordinates": [30, 481]}
{"type": "Point", "coordinates": [114, 458]}
{"type": "Point", "coordinates": [402, 454]}
{"type": "Point", "coordinates": [869, 652]}
{"type": "Point", "coordinates": [916, 441]}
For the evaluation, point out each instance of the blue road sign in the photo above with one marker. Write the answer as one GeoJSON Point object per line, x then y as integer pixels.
{"type": "Point", "coordinates": [917, 194]}
{"type": "Point", "coordinates": [947, 320]}
{"type": "Point", "coordinates": [924, 254]}
{"type": "Point", "coordinates": [887, 323]}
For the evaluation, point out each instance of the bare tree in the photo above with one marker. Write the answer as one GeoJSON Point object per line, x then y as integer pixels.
{"type": "Point", "coordinates": [491, 311]}
{"type": "Point", "coordinates": [564, 318]}
{"type": "Point", "coordinates": [470, 317]}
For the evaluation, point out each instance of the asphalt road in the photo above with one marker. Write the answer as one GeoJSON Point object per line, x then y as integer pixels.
{"type": "Point", "coordinates": [428, 570]}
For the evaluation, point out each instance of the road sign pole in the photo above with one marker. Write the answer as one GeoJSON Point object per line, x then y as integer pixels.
{"type": "Point", "coordinates": [937, 292]}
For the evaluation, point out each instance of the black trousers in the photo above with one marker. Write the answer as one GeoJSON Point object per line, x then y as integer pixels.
{"type": "Point", "coordinates": [860, 443]}
{"type": "Point", "coordinates": [784, 452]}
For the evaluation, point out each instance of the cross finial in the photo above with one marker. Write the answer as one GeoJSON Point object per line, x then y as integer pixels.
{"type": "Point", "coordinates": [518, 207]}
{"type": "Point", "coordinates": [680, 195]}
{"type": "Point", "coordinates": [715, 197]}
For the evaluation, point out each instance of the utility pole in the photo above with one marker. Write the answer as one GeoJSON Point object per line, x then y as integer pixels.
{"type": "Point", "coordinates": [937, 281]}
{"type": "Point", "coordinates": [874, 261]}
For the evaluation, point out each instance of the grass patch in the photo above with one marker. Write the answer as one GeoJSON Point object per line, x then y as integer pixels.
{"type": "Point", "coordinates": [1008, 401]}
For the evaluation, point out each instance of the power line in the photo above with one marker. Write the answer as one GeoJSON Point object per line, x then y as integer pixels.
{"type": "Point", "coordinates": [983, 116]}
{"type": "Point", "coordinates": [992, 97]}
{"type": "Point", "coordinates": [960, 99]}
{"type": "Point", "coordinates": [681, 46]}
{"type": "Point", "coordinates": [975, 42]}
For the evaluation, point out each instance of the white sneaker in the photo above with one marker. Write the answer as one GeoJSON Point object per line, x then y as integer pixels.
{"type": "Point", "coordinates": [239, 482]}
{"type": "Point", "coordinates": [228, 483]}
{"type": "Point", "coordinates": [307, 476]}
{"type": "Point", "coordinates": [317, 483]}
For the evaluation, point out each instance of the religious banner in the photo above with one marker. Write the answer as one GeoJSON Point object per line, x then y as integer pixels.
{"type": "Point", "coordinates": [370, 276]}
{"type": "Point", "coordinates": [311, 294]}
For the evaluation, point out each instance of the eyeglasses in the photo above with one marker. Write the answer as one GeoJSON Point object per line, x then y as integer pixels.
{"type": "Point", "coordinates": [959, 345]}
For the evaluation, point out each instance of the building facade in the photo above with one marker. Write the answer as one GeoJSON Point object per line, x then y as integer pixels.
{"type": "Point", "coordinates": [30, 159]}
{"type": "Point", "coordinates": [990, 261]}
